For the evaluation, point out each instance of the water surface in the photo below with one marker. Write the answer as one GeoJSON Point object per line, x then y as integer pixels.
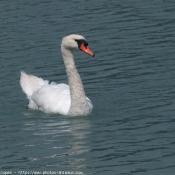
{"type": "Point", "coordinates": [130, 82]}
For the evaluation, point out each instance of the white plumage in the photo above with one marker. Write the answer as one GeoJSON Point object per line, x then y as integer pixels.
{"type": "Point", "coordinates": [49, 98]}
{"type": "Point", "coordinates": [59, 98]}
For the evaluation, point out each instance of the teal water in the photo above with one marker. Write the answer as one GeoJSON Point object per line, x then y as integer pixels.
{"type": "Point", "coordinates": [130, 82]}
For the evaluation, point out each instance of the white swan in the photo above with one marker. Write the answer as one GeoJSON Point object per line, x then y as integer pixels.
{"type": "Point", "coordinates": [60, 98]}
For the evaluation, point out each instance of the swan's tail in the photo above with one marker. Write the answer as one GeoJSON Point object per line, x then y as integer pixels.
{"type": "Point", "coordinates": [30, 83]}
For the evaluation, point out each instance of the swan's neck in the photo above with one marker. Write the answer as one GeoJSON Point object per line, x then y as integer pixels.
{"type": "Point", "coordinates": [78, 98]}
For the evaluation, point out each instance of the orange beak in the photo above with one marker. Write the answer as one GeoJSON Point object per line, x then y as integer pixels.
{"type": "Point", "coordinates": [86, 49]}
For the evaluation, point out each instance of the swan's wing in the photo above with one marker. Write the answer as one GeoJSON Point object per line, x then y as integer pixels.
{"type": "Point", "coordinates": [31, 83]}
{"type": "Point", "coordinates": [53, 98]}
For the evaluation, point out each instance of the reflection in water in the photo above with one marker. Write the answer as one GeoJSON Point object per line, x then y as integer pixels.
{"type": "Point", "coordinates": [79, 141]}
{"type": "Point", "coordinates": [60, 139]}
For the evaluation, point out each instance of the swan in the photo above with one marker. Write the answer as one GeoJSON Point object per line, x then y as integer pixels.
{"type": "Point", "coordinates": [60, 98]}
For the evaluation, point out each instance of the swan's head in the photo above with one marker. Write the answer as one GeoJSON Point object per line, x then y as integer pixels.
{"type": "Point", "coordinates": [75, 41]}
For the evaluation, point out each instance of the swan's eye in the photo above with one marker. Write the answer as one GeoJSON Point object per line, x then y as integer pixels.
{"type": "Point", "coordinates": [85, 43]}
{"type": "Point", "coordinates": [79, 42]}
